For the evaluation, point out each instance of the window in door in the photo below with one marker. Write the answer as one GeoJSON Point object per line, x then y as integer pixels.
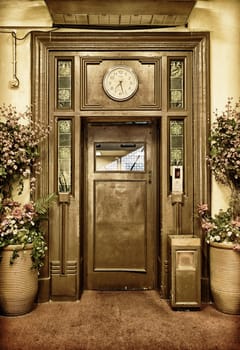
{"type": "Point", "coordinates": [123, 157]}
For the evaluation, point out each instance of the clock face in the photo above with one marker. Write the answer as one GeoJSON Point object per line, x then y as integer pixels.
{"type": "Point", "coordinates": [120, 83]}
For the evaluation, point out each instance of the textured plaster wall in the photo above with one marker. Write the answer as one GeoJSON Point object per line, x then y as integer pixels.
{"type": "Point", "coordinates": [220, 17]}
{"type": "Point", "coordinates": [19, 97]}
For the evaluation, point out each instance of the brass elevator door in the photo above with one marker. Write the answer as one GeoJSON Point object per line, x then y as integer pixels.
{"type": "Point", "coordinates": [120, 212]}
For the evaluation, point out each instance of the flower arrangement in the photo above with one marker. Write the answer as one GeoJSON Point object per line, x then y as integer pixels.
{"type": "Point", "coordinates": [224, 158]}
{"type": "Point", "coordinates": [221, 227]}
{"type": "Point", "coordinates": [224, 161]}
{"type": "Point", "coordinates": [19, 155]}
{"type": "Point", "coordinates": [20, 224]}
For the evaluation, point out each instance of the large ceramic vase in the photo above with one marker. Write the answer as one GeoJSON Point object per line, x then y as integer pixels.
{"type": "Point", "coordinates": [225, 277]}
{"type": "Point", "coordinates": [18, 281]}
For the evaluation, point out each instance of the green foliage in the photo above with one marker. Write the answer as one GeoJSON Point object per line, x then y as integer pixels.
{"type": "Point", "coordinates": [42, 204]}
{"type": "Point", "coordinates": [14, 256]}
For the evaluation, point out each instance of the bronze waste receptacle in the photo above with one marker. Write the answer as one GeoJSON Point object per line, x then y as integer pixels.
{"type": "Point", "coordinates": [185, 271]}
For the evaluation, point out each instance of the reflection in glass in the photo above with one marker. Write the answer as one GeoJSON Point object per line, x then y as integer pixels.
{"type": "Point", "coordinates": [64, 155]}
{"type": "Point", "coordinates": [120, 157]}
{"type": "Point", "coordinates": [176, 84]}
{"type": "Point", "coordinates": [64, 93]}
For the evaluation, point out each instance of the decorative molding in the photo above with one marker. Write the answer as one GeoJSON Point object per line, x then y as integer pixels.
{"type": "Point", "coordinates": [71, 268]}
{"type": "Point", "coordinates": [93, 96]}
{"type": "Point", "coordinates": [126, 43]}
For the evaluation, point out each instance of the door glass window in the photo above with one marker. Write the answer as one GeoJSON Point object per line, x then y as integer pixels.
{"type": "Point", "coordinates": [120, 157]}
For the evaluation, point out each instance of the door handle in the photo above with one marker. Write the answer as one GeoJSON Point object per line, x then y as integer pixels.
{"type": "Point", "coordinates": [150, 177]}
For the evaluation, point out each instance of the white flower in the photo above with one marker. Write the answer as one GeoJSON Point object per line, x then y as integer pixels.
{"type": "Point", "coordinates": [26, 172]}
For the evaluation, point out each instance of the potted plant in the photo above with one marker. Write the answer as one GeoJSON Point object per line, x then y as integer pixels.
{"type": "Point", "coordinates": [223, 229]}
{"type": "Point", "coordinates": [22, 241]}
{"type": "Point", "coordinates": [22, 252]}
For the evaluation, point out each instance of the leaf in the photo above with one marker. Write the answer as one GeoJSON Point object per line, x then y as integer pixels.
{"type": "Point", "coordinates": [14, 256]}
{"type": "Point", "coordinates": [43, 204]}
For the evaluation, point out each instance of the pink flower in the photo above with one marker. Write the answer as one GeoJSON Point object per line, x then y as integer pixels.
{"type": "Point", "coordinates": [207, 225]}
{"type": "Point", "coordinates": [236, 222]}
{"type": "Point", "coordinates": [29, 207]}
{"type": "Point", "coordinates": [202, 208]}
{"type": "Point", "coordinates": [17, 213]}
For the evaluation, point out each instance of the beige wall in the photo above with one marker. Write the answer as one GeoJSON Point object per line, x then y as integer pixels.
{"type": "Point", "coordinates": [19, 97]}
{"type": "Point", "coordinates": [220, 17]}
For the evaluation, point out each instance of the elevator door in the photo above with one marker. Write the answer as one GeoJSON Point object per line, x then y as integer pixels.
{"type": "Point", "coordinates": [120, 213]}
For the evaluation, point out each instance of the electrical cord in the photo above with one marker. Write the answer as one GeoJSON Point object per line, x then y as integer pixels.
{"type": "Point", "coordinates": [14, 82]}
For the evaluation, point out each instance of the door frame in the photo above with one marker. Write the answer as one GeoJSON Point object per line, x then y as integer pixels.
{"type": "Point", "coordinates": [195, 42]}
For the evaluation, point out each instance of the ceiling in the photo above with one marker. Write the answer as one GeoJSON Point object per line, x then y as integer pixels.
{"type": "Point", "coordinates": [95, 13]}
{"type": "Point", "coordinates": [120, 13]}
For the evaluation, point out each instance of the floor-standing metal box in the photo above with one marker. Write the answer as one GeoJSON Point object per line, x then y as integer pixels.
{"type": "Point", "coordinates": [185, 271]}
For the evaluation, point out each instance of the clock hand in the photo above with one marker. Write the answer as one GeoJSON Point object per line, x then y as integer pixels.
{"type": "Point", "coordinates": [119, 85]}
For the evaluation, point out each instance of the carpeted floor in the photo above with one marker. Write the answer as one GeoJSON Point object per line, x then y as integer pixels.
{"type": "Point", "coordinates": [119, 321]}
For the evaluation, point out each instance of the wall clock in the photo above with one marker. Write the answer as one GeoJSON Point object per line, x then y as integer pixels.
{"type": "Point", "coordinates": [120, 83]}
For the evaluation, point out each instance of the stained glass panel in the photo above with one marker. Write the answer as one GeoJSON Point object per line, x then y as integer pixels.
{"type": "Point", "coordinates": [176, 149]}
{"type": "Point", "coordinates": [176, 142]}
{"type": "Point", "coordinates": [64, 86]}
{"type": "Point", "coordinates": [176, 84]}
{"type": "Point", "coordinates": [64, 155]}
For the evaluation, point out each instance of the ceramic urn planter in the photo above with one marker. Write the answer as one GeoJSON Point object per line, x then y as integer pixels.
{"type": "Point", "coordinates": [225, 277]}
{"type": "Point", "coordinates": [18, 281]}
